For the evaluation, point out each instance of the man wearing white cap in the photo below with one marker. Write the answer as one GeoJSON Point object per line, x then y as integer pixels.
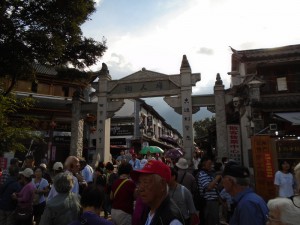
{"type": "Point", "coordinates": [184, 176]}
{"type": "Point", "coordinates": [58, 167]}
{"type": "Point", "coordinates": [72, 166]}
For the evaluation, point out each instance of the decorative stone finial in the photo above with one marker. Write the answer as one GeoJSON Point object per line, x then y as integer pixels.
{"type": "Point", "coordinates": [104, 71]}
{"type": "Point", "coordinates": [185, 63]}
{"type": "Point", "coordinates": [218, 80]}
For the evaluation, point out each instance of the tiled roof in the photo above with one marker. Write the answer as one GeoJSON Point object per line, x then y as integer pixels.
{"type": "Point", "coordinates": [44, 69]}
{"type": "Point", "coordinates": [290, 51]}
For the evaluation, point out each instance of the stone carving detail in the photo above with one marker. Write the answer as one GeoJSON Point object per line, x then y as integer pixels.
{"type": "Point", "coordinates": [218, 80]}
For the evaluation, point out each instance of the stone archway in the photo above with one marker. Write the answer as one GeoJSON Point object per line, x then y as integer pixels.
{"type": "Point", "coordinates": [142, 84]}
{"type": "Point", "coordinates": [177, 90]}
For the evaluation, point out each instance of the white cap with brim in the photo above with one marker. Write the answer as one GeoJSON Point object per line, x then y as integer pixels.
{"type": "Point", "coordinates": [27, 172]}
{"type": "Point", "coordinates": [182, 163]}
{"type": "Point", "coordinates": [43, 165]}
{"type": "Point", "coordinates": [58, 166]}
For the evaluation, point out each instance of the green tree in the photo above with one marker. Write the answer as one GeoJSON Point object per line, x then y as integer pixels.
{"type": "Point", "coordinates": [205, 133]}
{"type": "Point", "coordinates": [46, 32]}
{"type": "Point", "coordinates": [203, 127]}
{"type": "Point", "coordinates": [15, 132]}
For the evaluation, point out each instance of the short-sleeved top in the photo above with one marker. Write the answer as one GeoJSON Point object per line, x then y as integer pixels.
{"type": "Point", "coordinates": [183, 199]}
{"type": "Point", "coordinates": [87, 173]}
{"type": "Point", "coordinates": [203, 181]}
{"type": "Point", "coordinates": [285, 181]}
{"type": "Point", "coordinates": [124, 198]}
{"type": "Point", "coordinates": [41, 186]}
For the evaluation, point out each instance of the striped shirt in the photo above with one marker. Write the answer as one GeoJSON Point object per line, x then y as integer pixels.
{"type": "Point", "coordinates": [203, 181]}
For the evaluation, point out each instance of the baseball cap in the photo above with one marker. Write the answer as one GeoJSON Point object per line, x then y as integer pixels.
{"type": "Point", "coordinates": [27, 172]}
{"type": "Point", "coordinates": [43, 165]}
{"type": "Point", "coordinates": [236, 170]}
{"type": "Point", "coordinates": [153, 167]}
{"type": "Point", "coordinates": [58, 166]}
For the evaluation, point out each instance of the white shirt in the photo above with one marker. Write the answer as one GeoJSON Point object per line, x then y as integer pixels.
{"type": "Point", "coordinates": [285, 181]}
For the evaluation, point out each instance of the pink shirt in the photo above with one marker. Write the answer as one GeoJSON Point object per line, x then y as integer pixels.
{"type": "Point", "coordinates": [25, 196]}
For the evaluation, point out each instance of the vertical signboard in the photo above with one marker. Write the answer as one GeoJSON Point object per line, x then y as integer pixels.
{"type": "Point", "coordinates": [263, 166]}
{"type": "Point", "coordinates": [234, 142]}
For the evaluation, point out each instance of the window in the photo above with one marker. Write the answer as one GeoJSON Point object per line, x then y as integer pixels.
{"type": "Point", "coordinates": [281, 84]}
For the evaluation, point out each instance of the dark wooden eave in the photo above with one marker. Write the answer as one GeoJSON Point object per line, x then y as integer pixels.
{"type": "Point", "coordinates": [278, 102]}
{"type": "Point", "coordinates": [286, 53]}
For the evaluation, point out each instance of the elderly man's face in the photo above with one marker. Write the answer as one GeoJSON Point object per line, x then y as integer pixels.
{"type": "Point", "coordinates": [150, 187]}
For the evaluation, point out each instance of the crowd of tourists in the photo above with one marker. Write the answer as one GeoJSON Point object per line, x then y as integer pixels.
{"type": "Point", "coordinates": [144, 190]}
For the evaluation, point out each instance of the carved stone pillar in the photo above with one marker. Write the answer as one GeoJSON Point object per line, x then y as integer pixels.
{"type": "Point", "coordinates": [220, 118]}
{"type": "Point", "coordinates": [103, 122]}
{"type": "Point", "coordinates": [77, 125]}
{"type": "Point", "coordinates": [186, 104]}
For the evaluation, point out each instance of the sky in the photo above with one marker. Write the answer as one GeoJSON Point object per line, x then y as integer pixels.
{"type": "Point", "coordinates": [155, 34]}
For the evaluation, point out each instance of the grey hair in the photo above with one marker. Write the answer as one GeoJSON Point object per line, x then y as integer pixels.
{"type": "Point", "coordinates": [289, 214]}
{"type": "Point", "coordinates": [63, 182]}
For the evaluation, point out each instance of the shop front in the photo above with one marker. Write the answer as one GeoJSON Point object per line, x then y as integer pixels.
{"type": "Point", "coordinates": [267, 152]}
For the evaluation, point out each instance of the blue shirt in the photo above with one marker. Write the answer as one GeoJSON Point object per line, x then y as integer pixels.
{"type": "Point", "coordinates": [136, 164]}
{"type": "Point", "coordinates": [250, 209]}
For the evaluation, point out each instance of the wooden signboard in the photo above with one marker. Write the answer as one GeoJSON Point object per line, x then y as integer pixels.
{"type": "Point", "coordinates": [263, 164]}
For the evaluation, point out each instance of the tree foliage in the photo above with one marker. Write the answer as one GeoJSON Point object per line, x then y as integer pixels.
{"type": "Point", "coordinates": [46, 32]}
{"type": "Point", "coordinates": [14, 133]}
{"type": "Point", "coordinates": [205, 134]}
{"type": "Point", "coordinates": [204, 127]}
